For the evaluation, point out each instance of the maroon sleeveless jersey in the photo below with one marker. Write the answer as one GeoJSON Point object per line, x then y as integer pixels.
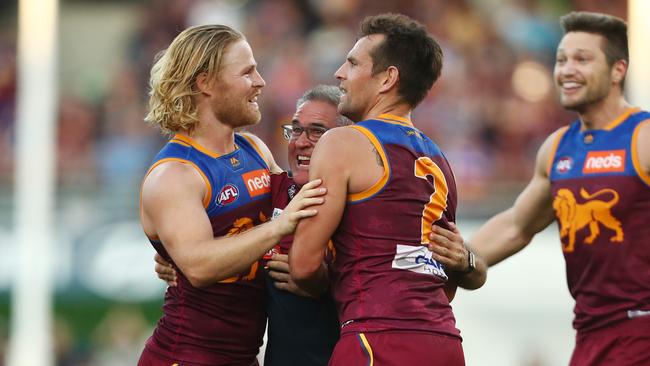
{"type": "Point", "coordinates": [383, 277]}
{"type": "Point", "coordinates": [601, 199]}
{"type": "Point", "coordinates": [222, 324]}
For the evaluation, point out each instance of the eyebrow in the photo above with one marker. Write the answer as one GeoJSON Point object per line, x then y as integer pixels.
{"type": "Point", "coordinates": [249, 68]}
{"type": "Point", "coordinates": [317, 124]}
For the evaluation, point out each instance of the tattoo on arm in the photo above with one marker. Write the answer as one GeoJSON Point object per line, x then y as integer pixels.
{"type": "Point", "coordinates": [379, 161]}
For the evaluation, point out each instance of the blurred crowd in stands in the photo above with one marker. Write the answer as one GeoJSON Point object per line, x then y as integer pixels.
{"type": "Point", "coordinates": [492, 106]}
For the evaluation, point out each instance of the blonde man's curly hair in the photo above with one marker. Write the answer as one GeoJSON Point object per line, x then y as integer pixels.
{"type": "Point", "coordinates": [173, 77]}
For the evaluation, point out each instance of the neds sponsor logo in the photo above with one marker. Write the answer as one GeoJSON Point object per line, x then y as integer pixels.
{"type": "Point", "coordinates": [604, 162]}
{"type": "Point", "coordinates": [257, 182]}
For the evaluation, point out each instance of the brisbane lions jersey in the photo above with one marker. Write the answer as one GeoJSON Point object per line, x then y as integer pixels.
{"type": "Point", "coordinates": [601, 200]}
{"type": "Point", "coordinates": [224, 323]}
{"type": "Point", "coordinates": [383, 276]}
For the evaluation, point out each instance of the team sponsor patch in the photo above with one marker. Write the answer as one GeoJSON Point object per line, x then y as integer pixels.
{"type": "Point", "coordinates": [257, 182]}
{"type": "Point", "coordinates": [417, 259]}
{"type": "Point", "coordinates": [564, 164]}
{"type": "Point", "coordinates": [227, 195]}
{"type": "Point", "coordinates": [604, 162]}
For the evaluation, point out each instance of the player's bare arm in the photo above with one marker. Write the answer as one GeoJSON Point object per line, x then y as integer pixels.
{"type": "Point", "coordinates": [341, 176]}
{"type": "Point", "coordinates": [643, 147]}
{"type": "Point", "coordinates": [510, 231]}
{"type": "Point", "coordinates": [173, 211]}
{"type": "Point", "coordinates": [449, 248]}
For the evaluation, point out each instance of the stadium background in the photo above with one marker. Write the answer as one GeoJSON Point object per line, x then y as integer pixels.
{"type": "Point", "coordinates": [489, 112]}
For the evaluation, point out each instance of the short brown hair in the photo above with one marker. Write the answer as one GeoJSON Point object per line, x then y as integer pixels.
{"type": "Point", "coordinates": [409, 47]}
{"type": "Point", "coordinates": [611, 28]}
{"type": "Point", "coordinates": [173, 77]}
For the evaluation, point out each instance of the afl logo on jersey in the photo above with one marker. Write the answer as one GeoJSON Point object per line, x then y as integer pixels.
{"type": "Point", "coordinates": [228, 195]}
{"type": "Point", "coordinates": [564, 164]}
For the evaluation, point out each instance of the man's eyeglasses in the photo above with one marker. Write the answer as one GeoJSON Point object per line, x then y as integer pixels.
{"type": "Point", "coordinates": [313, 132]}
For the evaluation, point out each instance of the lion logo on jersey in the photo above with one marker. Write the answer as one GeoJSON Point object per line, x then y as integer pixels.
{"type": "Point", "coordinates": [575, 216]}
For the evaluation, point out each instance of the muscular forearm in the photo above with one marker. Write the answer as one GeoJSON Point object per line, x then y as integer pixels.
{"type": "Point", "coordinates": [316, 284]}
{"type": "Point", "coordinates": [222, 258]}
{"type": "Point", "coordinates": [499, 238]}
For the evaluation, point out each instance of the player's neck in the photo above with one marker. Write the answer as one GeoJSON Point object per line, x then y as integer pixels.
{"type": "Point", "coordinates": [599, 115]}
{"type": "Point", "coordinates": [217, 137]}
{"type": "Point", "coordinates": [389, 106]}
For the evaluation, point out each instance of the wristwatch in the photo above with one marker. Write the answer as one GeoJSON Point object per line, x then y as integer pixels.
{"type": "Point", "coordinates": [471, 263]}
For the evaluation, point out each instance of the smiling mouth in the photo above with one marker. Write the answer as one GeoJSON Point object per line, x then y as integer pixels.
{"type": "Point", "coordinates": [570, 86]}
{"type": "Point", "coordinates": [303, 161]}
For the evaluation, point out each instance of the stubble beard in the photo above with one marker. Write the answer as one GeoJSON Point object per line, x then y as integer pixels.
{"type": "Point", "coordinates": [236, 117]}
{"type": "Point", "coordinates": [582, 104]}
{"type": "Point", "coordinates": [593, 95]}
{"type": "Point", "coordinates": [345, 109]}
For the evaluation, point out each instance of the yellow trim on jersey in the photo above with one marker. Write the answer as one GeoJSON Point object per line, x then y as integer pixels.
{"type": "Point", "coordinates": [368, 349]}
{"type": "Point", "coordinates": [391, 118]}
{"type": "Point", "coordinates": [208, 193]}
{"type": "Point", "coordinates": [384, 178]}
{"type": "Point", "coordinates": [621, 118]}
{"type": "Point", "coordinates": [177, 141]}
{"type": "Point", "coordinates": [556, 143]}
{"type": "Point", "coordinates": [259, 151]}
{"type": "Point", "coordinates": [635, 154]}
{"type": "Point", "coordinates": [191, 142]}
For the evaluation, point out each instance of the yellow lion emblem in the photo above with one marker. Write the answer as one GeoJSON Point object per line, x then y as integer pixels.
{"type": "Point", "coordinates": [574, 216]}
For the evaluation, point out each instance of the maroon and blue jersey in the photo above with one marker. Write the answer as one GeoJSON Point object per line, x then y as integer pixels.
{"type": "Point", "coordinates": [223, 323]}
{"type": "Point", "coordinates": [601, 198]}
{"type": "Point", "coordinates": [384, 278]}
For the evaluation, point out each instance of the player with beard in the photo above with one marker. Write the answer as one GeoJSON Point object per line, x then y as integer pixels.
{"type": "Point", "coordinates": [387, 184]}
{"type": "Point", "coordinates": [203, 193]}
{"type": "Point", "coordinates": [593, 178]}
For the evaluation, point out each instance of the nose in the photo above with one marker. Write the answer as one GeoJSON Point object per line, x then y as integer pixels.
{"type": "Point", "coordinates": [566, 68]}
{"type": "Point", "coordinates": [302, 140]}
{"type": "Point", "coordinates": [258, 81]}
{"type": "Point", "coordinates": [339, 73]}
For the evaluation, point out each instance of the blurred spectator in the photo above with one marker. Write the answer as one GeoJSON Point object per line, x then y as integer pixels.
{"type": "Point", "coordinates": [4, 338]}
{"type": "Point", "coordinates": [119, 337]}
{"type": "Point", "coordinates": [126, 144]}
{"type": "Point", "coordinates": [77, 129]}
{"type": "Point", "coordinates": [7, 107]}
{"type": "Point", "coordinates": [68, 350]}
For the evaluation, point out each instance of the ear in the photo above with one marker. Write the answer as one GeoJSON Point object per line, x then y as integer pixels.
{"type": "Point", "coordinates": [619, 69]}
{"type": "Point", "coordinates": [203, 83]}
{"type": "Point", "coordinates": [391, 78]}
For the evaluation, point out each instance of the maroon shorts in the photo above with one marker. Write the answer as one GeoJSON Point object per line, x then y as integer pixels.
{"type": "Point", "coordinates": [149, 358]}
{"type": "Point", "coordinates": [397, 349]}
{"type": "Point", "coordinates": [626, 343]}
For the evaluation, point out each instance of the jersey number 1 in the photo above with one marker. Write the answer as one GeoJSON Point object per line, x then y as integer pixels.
{"type": "Point", "coordinates": [432, 212]}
